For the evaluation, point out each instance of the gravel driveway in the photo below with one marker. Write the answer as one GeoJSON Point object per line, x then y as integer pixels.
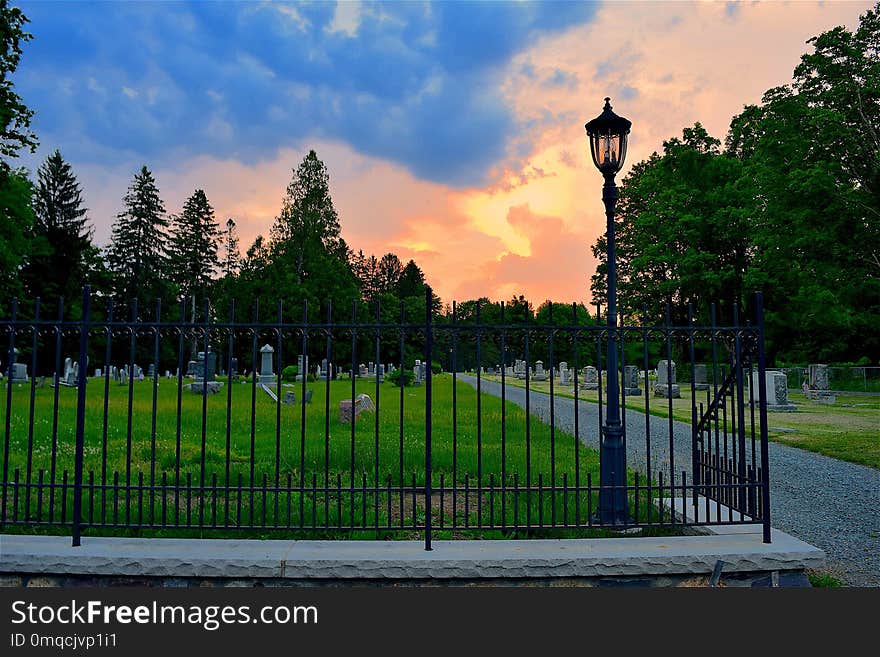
{"type": "Point", "coordinates": [831, 504]}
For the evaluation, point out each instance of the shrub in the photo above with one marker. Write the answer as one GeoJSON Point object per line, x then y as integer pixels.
{"type": "Point", "coordinates": [398, 375]}
{"type": "Point", "coordinates": [311, 377]}
{"type": "Point", "coordinates": [436, 367]}
{"type": "Point", "coordinates": [289, 373]}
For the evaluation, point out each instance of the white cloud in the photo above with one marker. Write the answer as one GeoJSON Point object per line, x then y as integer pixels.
{"type": "Point", "coordinates": [346, 18]}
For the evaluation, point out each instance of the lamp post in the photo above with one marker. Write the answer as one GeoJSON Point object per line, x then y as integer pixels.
{"type": "Point", "coordinates": [608, 136]}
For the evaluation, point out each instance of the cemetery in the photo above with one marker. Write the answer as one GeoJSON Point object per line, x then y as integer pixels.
{"type": "Point", "coordinates": [707, 388]}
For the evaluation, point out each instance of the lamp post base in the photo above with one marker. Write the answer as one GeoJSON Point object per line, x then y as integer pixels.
{"type": "Point", "coordinates": [613, 502]}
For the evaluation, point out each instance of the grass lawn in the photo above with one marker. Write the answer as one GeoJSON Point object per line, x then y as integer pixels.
{"type": "Point", "coordinates": [370, 478]}
{"type": "Point", "coordinates": [848, 430]}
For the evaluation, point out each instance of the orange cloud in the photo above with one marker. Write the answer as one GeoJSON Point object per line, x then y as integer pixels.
{"type": "Point", "coordinates": [529, 232]}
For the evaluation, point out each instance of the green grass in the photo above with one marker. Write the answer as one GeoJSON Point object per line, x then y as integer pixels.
{"type": "Point", "coordinates": [820, 579]}
{"type": "Point", "coordinates": [848, 430]}
{"type": "Point", "coordinates": [318, 486]}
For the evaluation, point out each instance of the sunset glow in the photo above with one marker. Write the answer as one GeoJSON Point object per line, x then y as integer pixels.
{"type": "Point", "coordinates": [457, 140]}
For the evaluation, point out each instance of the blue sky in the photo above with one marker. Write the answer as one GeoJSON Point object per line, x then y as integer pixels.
{"type": "Point", "coordinates": [453, 132]}
{"type": "Point", "coordinates": [413, 83]}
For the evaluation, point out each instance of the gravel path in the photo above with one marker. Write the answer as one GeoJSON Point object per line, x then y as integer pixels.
{"type": "Point", "coordinates": [831, 504]}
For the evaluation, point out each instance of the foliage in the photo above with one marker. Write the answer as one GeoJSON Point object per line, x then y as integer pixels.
{"type": "Point", "coordinates": [15, 117]}
{"type": "Point", "coordinates": [137, 251]}
{"type": "Point", "coordinates": [63, 257]}
{"type": "Point", "coordinates": [192, 247]}
{"type": "Point", "coordinates": [16, 223]}
{"type": "Point", "coordinates": [231, 257]}
{"type": "Point", "coordinates": [289, 373]}
{"type": "Point", "coordinates": [789, 207]}
{"type": "Point", "coordinates": [400, 377]}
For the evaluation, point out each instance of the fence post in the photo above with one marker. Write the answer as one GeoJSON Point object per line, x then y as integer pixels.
{"type": "Point", "coordinates": [80, 415]}
{"type": "Point", "coordinates": [762, 413]}
{"type": "Point", "coordinates": [429, 344]}
{"type": "Point", "coordinates": [9, 360]}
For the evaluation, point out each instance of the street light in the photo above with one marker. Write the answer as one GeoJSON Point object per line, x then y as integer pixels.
{"type": "Point", "coordinates": [608, 136]}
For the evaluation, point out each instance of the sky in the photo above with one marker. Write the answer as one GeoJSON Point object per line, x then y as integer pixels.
{"type": "Point", "coordinates": [452, 131]}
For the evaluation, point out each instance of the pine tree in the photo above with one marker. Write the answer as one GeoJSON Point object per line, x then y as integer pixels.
{"type": "Point", "coordinates": [193, 246]}
{"type": "Point", "coordinates": [62, 250]}
{"type": "Point", "coordinates": [307, 226]}
{"type": "Point", "coordinates": [136, 254]}
{"type": "Point", "coordinates": [231, 257]}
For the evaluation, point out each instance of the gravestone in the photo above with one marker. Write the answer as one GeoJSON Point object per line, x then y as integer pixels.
{"type": "Point", "coordinates": [418, 373]}
{"type": "Point", "coordinates": [151, 370]}
{"type": "Point", "coordinates": [631, 380]}
{"type": "Point", "coordinates": [362, 403]}
{"type": "Point", "coordinates": [233, 370]}
{"type": "Point", "coordinates": [520, 369]}
{"type": "Point", "coordinates": [324, 372]}
{"type": "Point", "coordinates": [540, 373]}
{"type": "Point", "coordinates": [508, 371]}
{"type": "Point", "coordinates": [289, 398]}
{"type": "Point", "coordinates": [381, 372]}
{"type": "Point", "coordinates": [267, 370]}
{"type": "Point", "coordinates": [777, 391]}
{"type": "Point", "coordinates": [700, 380]}
{"type": "Point", "coordinates": [19, 373]}
{"type": "Point", "coordinates": [67, 379]}
{"type": "Point", "coordinates": [191, 368]}
{"type": "Point", "coordinates": [371, 369]}
{"type": "Point", "coordinates": [98, 374]}
{"type": "Point", "coordinates": [362, 370]}
{"type": "Point", "coordinates": [820, 388]}
{"type": "Point", "coordinates": [302, 367]}
{"type": "Point", "coordinates": [564, 374]}
{"type": "Point", "coordinates": [590, 378]}
{"type": "Point", "coordinates": [666, 385]}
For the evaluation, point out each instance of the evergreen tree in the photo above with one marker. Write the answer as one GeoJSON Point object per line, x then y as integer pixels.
{"type": "Point", "coordinates": [309, 260]}
{"type": "Point", "coordinates": [307, 226]}
{"type": "Point", "coordinates": [411, 282]}
{"type": "Point", "coordinates": [231, 257]}
{"type": "Point", "coordinates": [62, 250]}
{"type": "Point", "coordinates": [136, 254]}
{"type": "Point", "coordinates": [192, 247]}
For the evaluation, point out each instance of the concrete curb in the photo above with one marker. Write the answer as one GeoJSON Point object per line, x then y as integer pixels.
{"type": "Point", "coordinates": [740, 552]}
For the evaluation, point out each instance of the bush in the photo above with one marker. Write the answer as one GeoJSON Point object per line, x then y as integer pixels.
{"type": "Point", "coordinates": [436, 367]}
{"type": "Point", "coordinates": [289, 373]}
{"type": "Point", "coordinates": [398, 375]}
{"type": "Point", "coordinates": [311, 377]}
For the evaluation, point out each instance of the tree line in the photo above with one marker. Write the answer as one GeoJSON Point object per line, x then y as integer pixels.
{"type": "Point", "coordinates": [790, 205]}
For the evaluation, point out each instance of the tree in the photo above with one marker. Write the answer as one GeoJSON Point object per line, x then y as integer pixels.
{"type": "Point", "coordinates": [307, 225]}
{"type": "Point", "coordinates": [683, 235]}
{"type": "Point", "coordinates": [411, 282]}
{"type": "Point", "coordinates": [16, 215]}
{"type": "Point", "coordinates": [192, 247]}
{"type": "Point", "coordinates": [390, 270]}
{"type": "Point", "coordinates": [231, 257]}
{"type": "Point", "coordinates": [16, 222]}
{"type": "Point", "coordinates": [136, 254]}
{"type": "Point", "coordinates": [62, 251]}
{"type": "Point", "coordinates": [15, 117]}
{"type": "Point", "coordinates": [308, 259]}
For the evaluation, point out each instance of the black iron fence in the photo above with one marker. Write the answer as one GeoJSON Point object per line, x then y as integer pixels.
{"type": "Point", "coordinates": [425, 426]}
